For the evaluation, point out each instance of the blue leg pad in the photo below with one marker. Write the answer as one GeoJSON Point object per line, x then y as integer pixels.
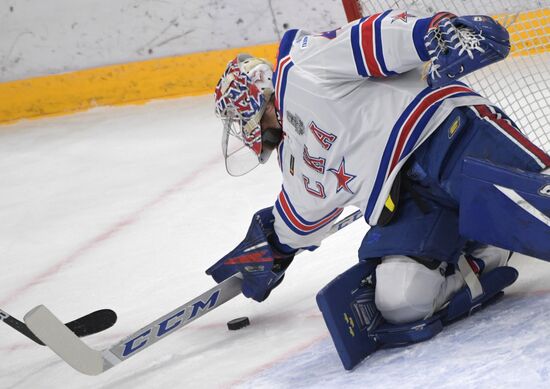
{"type": "Point", "coordinates": [506, 207]}
{"type": "Point", "coordinates": [347, 305]}
{"type": "Point", "coordinates": [394, 335]}
{"type": "Point", "coordinates": [355, 324]}
{"type": "Point", "coordinates": [358, 329]}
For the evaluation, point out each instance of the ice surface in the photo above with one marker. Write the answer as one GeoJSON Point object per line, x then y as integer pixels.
{"type": "Point", "coordinates": [126, 207]}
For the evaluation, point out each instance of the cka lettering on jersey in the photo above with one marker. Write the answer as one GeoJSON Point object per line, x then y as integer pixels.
{"type": "Point", "coordinates": [316, 163]}
{"type": "Point", "coordinates": [319, 191]}
{"type": "Point", "coordinates": [325, 139]}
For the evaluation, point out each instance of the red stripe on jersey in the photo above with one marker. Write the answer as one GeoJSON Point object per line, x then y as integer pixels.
{"type": "Point", "coordinates": [415, 115]}
{"type": "Point", "coordinates": [369, 47]}
{"type": "Point", "coordinates": [507, 127]}
{"type": "Point", "coordinates": [250, 258]}
{"type": "Point", "coordinates": [301, 226]}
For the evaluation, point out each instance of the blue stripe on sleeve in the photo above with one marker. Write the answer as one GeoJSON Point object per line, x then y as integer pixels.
{"type": "Point", "coordinates": [419, 32]}
{"type": "Point", "coordinates": [286, 43]}
{"type": "Point", "coordinates": [280, 157]}
{"type": "Point", "coordinates": [284, 49]}
{"type": "Point", "coordinates": [356, 47]}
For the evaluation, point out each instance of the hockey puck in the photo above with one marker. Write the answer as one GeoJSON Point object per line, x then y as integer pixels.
{"type": "Point", "coordinates": [237, 324]}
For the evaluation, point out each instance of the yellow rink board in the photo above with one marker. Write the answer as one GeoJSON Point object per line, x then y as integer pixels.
{"type": "Point", "coordinates": [130, 83]}
{"type": "Point", "coordinates": [530, 32]}
{"type": "Point", "coordinates": [186, 75]}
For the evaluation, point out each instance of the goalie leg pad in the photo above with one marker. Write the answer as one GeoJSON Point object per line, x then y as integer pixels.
{"type": "Point", "coordinates": [349, 311]}
{"type": "Point", "coordinates": [358, 329]}
{"type": "Point", "coordinates": [397, 335]}
{"type": "Point", "coordinates": [355, 324]}
{"type": "Point", "coordinates": [506, 207]}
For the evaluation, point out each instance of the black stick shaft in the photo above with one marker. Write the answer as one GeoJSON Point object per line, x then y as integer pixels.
{"type": "Point", "coordinates": [19, 326]}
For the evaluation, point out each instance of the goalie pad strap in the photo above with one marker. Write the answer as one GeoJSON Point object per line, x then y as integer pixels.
{"type": "Point", "coordinates": [470, 278]}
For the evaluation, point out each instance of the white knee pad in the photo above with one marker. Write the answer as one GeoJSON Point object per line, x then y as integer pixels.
{"type": "Point", "coordinates": [407, 291]}
{"type": "Point", "coordinates": [492, 256]}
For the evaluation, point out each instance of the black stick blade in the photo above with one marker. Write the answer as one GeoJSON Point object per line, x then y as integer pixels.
{"type": "Point", "coordinates": [93, 322]}
{"type": "Point", "coordinates": [89, 324]}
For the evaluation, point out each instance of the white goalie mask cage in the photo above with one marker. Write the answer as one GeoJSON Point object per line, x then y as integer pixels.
{"type": "Point", "coordinates": [241, 97]}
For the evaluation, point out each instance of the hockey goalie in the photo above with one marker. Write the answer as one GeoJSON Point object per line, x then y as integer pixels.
{"type": "Point", "coordinates": [373, 115]}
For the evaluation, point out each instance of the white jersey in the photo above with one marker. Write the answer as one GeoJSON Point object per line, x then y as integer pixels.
{"type": "Point", "coordinates": [348, 127]}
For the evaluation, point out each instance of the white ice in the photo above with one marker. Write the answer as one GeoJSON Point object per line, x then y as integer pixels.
{"type": "Point", "coordinates": [126, 207]}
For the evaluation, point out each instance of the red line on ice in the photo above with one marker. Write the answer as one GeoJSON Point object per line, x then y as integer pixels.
{"type": "Point", "coordinates": [110, 232]}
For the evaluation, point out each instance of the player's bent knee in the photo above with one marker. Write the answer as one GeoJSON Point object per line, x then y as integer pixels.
{"type": "Point", "coordinates": [405, 289]}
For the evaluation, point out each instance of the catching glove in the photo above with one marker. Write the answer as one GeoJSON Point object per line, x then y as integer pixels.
{"type": "Point", "coordinates": [460, 45]}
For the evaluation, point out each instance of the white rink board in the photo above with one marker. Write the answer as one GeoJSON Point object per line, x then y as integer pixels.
{"type": "Point", "coordinates": [48, 37]}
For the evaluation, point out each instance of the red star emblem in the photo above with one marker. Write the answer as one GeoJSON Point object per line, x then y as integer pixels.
{"type": "Point", "coordinates": [343, 178]}
{"type": "Point", "coordinates": [403, 16]}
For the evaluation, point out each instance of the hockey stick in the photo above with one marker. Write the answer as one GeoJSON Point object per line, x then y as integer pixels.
{"type": "Point", "coordinates": [93, 362]}
{"type": "Point", "coordinates": [89, 324]}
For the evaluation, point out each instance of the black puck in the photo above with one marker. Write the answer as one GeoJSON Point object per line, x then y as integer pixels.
{"type": "Point", "coordinates": [237, 324]}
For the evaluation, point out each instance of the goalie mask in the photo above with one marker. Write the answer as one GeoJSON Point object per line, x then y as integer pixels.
{"type": "Point", "coordinates": [241, 98]}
